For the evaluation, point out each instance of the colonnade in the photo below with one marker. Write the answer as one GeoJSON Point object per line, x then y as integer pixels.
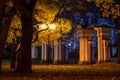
{"type": "Point", "coordinates": [87, 45]}
{"type": "Point", "coordinates": [86, 53]}
{"type": "Point", "coordinates": [103, 34]}
{"type": "Point", "coordinates": [59, 51]}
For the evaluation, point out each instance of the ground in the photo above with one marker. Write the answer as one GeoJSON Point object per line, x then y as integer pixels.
{"type": "Point", "coordinates": [103, 71]}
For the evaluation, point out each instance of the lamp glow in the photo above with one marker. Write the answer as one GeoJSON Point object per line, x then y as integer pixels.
{"type": "Point", "coordinates": [43, 26]}
{"type": "Point", "coordinates": [52, 26]}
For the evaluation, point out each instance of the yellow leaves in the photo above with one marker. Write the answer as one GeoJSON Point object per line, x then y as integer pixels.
{"type": "Point", "coordinates": [115, 11]}
{"type": "Point", "coordinates": [10, 36]}
{"type": "Point", "coordinates": [106, 13]}
{"type": "Point", "coordinates": [65, 25]}
{"type": "Point", "coordinates": [15, 29]}
{"type": "Point", "coordinates": [62, 26]}
{"type": "Point", "coordinates": [108, 7]}
{"type": "Point", "coordinates": [45, 12]}
{"type": "Point", "coordinates": [16, 22]}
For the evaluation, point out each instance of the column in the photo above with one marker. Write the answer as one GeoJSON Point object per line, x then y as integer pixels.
{"type": "Point", "coordinates": [34, 52]}
{"type": "Point", "coordinates": [51, 52]}
{"type": "Point", "coordinates": [86, 49]}
{"type": "Point", "coordinates": [55, 54]}
{"type": "Point", "coordinates": [103, 34]}
{"type": "Point", "coordinates": [60, 56]}
{"type": "Point", "coordinates": [100, 48]}
{"type": "Point", "coordinates": [44, 53]}
{"type": "Point", "coordinates": [58, 52]}
{"type": "Point", "coordinates": [66, 54]}
{"type": "Point", "coordinates": [83, 47]}
{"type": "Point", "coordinates": [90, 51]}
{"type": "Point", "coordinates": [106, 51]}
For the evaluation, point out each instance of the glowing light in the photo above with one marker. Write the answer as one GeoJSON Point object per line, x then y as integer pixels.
{"type": "Point", "coordinates": [43, 26]}
{"type": "Point", "coordinates": [69, 44]}
{"type": "Point", "coordinates": [52, 26]}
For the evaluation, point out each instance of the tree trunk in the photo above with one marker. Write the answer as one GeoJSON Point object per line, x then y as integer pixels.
{"type": "Point", "coordinates": [5, 21]}
{"type": "Point", "coordinates": [2, 7]}
{"type": "Point", "coordinates": [13, 59]}
{"type": "Point", "coordinates": [15, 50]}
{"type": "Point", "coordinates": [24, 60]}
{"type": "Point", "coordinates": [3, 37]}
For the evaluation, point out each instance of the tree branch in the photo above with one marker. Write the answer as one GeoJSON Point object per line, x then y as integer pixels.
{"type": "Point", "coordinates": [58, 13]}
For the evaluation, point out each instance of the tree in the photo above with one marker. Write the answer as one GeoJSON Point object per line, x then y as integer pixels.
{"type": "Point", "coordinates": [15, 29]}
{"type": "Point", "coordinates": [24, 60]}
{"type": "Point", "coordinates": [26, 9]}
{"type": "Point", "coordinates": [7, 12]}
{"type": "Point", "coordinates": [2, 6]}
{"type": "Point", "coordinates": [14, 35]}
{"type": "Point", "coordinates": [9, 9]}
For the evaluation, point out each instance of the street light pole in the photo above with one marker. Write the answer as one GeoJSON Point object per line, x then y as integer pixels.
{"type": "Point", "coordinates": [50, 27]}
{"type": "Point", "coordinates": [48, 48]}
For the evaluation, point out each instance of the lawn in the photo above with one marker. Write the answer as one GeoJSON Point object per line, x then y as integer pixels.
{"type": "Point", "coordinates": [103, 71]}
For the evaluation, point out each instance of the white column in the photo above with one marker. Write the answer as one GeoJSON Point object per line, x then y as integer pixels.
{"type": "Point", "coordinates": [103, 33]}
{"type": "Point", "coordinates": [105, 50]}
{"type": "Point", "coordinates": [33, 52]}
{"type": "Point", "coordinates": [86, 55]}
{"type": "Point", "coordinates": [42, 55]}
{"type": "Point", "coordinates": [60, 52]}
{"type": "Point", "coordinates": [51, 52]}
{"type": "Point", "coordinates": [100, 48]}
{"type": "Point", "coordinates": [83, 58]}
{"type": "Point", "coordinates": [44, 52]}
{"type": "Point", "coordinates": [85, 45]}
{"type": "Point", "coordinates": [66, 55]}
{"type": "Point", "coordinates": [90, 51]}
{"type": "Point", "coordinates": [55, 53]}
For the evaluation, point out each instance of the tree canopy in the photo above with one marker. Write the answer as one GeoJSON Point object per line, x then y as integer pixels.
{"type": "Point", "coordinates": [108, 8]}
{"type": "Point", "coordinates": [44, 13]}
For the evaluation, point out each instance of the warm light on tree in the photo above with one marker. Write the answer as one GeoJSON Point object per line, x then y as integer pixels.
{"type": "Point", "coordinates": [45, 14]}
{"type": "Point", "coordinates": [52, 26]}
{"type": "Point", "coordinates": [43, 26]}
{"type": "Point", "coordinates": [15, 29]}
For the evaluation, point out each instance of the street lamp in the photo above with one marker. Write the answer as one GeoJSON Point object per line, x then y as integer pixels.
{"type": "Point", "coordinates": [50, 27]}
{"type": "Point", "coordinates": [42, 27]}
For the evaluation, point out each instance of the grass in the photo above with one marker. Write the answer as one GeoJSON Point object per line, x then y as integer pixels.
{"type": "Point", "coordinates": [103, 71]}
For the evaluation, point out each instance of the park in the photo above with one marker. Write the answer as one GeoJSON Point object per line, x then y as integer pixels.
{"type": "Point", "coordinates": [59, 39]}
